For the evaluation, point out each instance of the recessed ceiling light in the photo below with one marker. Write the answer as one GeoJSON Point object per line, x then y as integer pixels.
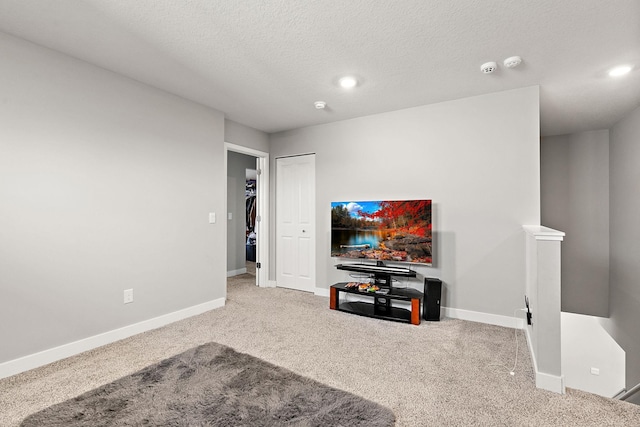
{"type": "Point", "coordinates": [619, 71]}
{"type": "Point", "coordinates": [348, 82]}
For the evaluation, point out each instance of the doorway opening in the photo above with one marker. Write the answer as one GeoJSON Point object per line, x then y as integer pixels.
{"type": "Point", "coordinates": [247, 209]}
{"type": "Point", "coordinates": [251, 231]}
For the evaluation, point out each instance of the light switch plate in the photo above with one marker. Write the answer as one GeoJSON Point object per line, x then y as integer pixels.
{"type": "Point", "coordinates": [230, 216]}
{"type": "Point", "coordinates": [212, 217]}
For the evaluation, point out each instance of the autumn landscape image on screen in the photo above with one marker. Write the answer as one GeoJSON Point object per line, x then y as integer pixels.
{"type": "Point", "coordinates": [382, 230]}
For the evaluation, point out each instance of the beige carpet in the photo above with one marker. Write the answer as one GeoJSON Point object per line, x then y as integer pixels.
{"type": "Point", "coordinates": [448, 373]}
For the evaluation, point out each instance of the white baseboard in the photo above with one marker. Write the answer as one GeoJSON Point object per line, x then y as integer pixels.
{"type": "Point", "coordinates": [452, 313]}
{"type": "Point", "coordinates": [550, 382]}
{"type": "Point", "coordinates": [271, 284]}
{"type": "Point", "coordinates": [544, 381]}
{"type": "Point", "coordinates": [238, 272]}
{"type": "Point", "coordinates": [321, 292]}
{"type": "Point", "coordinates": [476, 316]}
{"type": "Point", "coordinates": [16, 366]}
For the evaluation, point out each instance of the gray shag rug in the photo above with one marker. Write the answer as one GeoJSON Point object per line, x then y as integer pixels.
{"type": "Point", "coordinates": [213, 385]}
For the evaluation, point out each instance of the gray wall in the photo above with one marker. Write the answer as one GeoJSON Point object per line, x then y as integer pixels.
{"type": "Point", "coordinates": [624, 305]}
{"type": "Point", "coordinates": [106, 185]}
{"type": "Point", "coordinates": [575, 199]}
{"type": "Point", "coordinates": [246, 136]}
{"type": "Point", "coordinates": [237, 164]}
{"type": "Point", "coordinates": [476, 158]}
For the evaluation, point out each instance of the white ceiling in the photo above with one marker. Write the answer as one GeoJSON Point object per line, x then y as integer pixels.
{"type": "Point", "coordinates": [264, 62]}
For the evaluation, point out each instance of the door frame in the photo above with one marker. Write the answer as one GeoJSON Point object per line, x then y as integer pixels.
{"type": "Point", "coordinates": [262, 203]}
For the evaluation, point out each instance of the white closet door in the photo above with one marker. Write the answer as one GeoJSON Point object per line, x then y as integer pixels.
{"type": "Point", "coordinates": [295, 213]}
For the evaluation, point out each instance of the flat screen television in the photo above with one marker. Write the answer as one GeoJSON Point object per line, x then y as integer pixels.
{"type": "Point", "coordinates": [383, 230]}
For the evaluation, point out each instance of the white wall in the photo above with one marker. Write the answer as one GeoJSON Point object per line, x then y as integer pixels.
{"type": "Point", "coordinates": [624, 296]}
{"type": "Point", "coordinates": [586, 345]}
{"type": "Point", "coordinates": [575, 199]}
{"type": "Point", "coordinates": [106, 185]}
{"type": "Point", "coordinates": [476, 158]}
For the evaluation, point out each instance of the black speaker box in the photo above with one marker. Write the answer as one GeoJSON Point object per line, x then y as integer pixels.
{"type": "Point", "coordinates": [432, 295]}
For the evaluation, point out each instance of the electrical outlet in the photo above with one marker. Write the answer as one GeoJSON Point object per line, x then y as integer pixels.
{"type": "Point", "coordinates": [128, 296]}
{"type": "Point", "coordinates": [595, 371]}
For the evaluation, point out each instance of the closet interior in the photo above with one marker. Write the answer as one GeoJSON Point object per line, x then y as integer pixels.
{"type": "Point", "coordinates": [250, 199]}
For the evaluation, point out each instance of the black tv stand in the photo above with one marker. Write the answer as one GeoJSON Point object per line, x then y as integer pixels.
{"type": "Point", "coordinates": [380, 272]}
{"type": "Point", "coordinates": [381, 307]}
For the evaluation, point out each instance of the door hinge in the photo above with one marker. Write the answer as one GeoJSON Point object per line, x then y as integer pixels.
{"type": "Point", "coordinates": [258, 218]}
{"type": "Point", "coordinates": [258, 265]}
{"type": "Point", "coordinates": [259, 171]}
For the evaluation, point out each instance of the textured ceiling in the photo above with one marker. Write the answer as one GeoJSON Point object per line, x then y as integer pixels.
{"type": "Point", "coordinates": [264, 62]}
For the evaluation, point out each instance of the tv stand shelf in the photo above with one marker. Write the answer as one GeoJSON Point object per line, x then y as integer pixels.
{"type": "Point", "coordinates": [381, 306]}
